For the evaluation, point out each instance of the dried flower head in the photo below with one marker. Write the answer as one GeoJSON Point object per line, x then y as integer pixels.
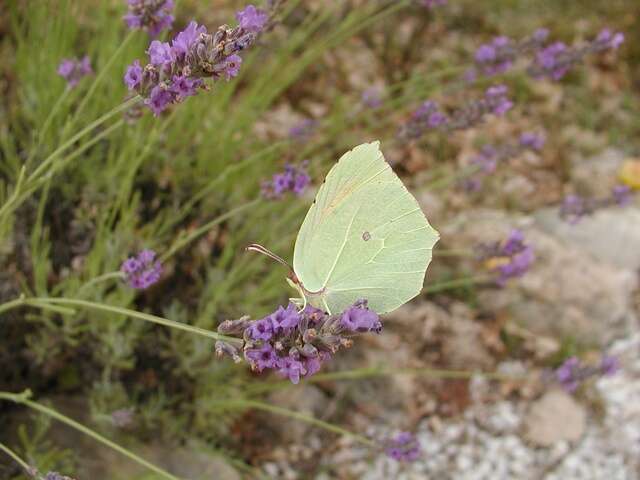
{"type": "Point", "coordinates": [142, 270]}
{"type": "Point", "coordinates": [72, 70]}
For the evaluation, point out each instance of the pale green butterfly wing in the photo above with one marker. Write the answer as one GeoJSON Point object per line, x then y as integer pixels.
{"type": "Point", "coordinates": [365, 236]}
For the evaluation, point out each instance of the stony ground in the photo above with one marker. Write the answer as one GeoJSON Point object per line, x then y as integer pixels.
{"type": "Point", "coordinates": [584, 286]}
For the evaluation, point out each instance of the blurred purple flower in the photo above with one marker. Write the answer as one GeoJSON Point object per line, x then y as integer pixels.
{"type": "Point", "coordinates": [532, 140]}
{"type": "Point", "coordinates": [72, 70]}
{"type": "Point", "coordinates": [371, 98]}
{"type": "Point", "coordinates": [621, 195]}
{"type": "Point", "coordinates": [557, 59]}
{"type": "Point", "coordinates": [509, 259]}
{"type": "Point", "coordinates": [154, 16]}
{"type": "Point", "coordinates": [568, 374]}
{"type": "Point", "coordinates": [294, 179]}
{"type": "Point", "coordinates": [609, 365]}
{"type": "Point", "coordinates": [303, 129]}
{"type": "Point", "coordinates": [404, 447]}
{"type": "Point", "coordinates": [142, 270]}
{"type": "Point", "coordinates": [573, 208]}
{"type": "Point", "coordinates": [252, 19]}
{"type": "Point", "coordinates": [572, 373]}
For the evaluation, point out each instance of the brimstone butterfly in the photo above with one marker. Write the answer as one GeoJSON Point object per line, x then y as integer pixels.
{"type": "Point", "coordinates": [364, 237]}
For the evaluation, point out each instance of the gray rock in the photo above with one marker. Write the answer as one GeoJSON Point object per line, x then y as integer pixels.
{"type": "Point", "coordinates": [555, 417]}
{"type": "Point", "coordinates": [611, 236]}
{"type": "Point", "coordinates": [567, 293]}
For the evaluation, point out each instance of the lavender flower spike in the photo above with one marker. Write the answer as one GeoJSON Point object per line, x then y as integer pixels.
{"type": "Point", "coordinates": [142, 270]}
{"type": "Point", "coordinates": [154, 16]}
{"type": "Point", "coordinates": [296, 343]}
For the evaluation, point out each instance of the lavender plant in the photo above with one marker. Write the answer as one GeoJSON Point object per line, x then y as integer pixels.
{"type": "Point", "coordinates": [196, 203]}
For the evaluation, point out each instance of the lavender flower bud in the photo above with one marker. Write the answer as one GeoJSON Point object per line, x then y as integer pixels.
{"type": "Point", "coordinates": [142, 270]}
{"type": "Point", "coordinates": [404, 447]}
{"type": "Point", "coordinates": [224, 348]}
{"type": "Point", "coordinates": [232, 327]}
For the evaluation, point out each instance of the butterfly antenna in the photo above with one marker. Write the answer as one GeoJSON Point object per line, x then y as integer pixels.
{"type": "Point", "coordinates": [254, 247]}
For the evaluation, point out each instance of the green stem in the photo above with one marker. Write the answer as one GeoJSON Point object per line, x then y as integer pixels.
{"type": "Point", "coordinates": [46, 123]}
{"type": "Point", "coordinates": [284, 412]}
{"type": "Point", "coordinates": [458, 282]}
{"type": "Point", "coordinates": [447, 180]}
{"type": "Point", "coordinates": [40, 301]}
{"type": "Point", "coordinates": [101, 278]}
{"type": "Point", "coordinates": [24, 400]}
{"type": "Point", "coordinates": [180, 243]}
{"type": "Point", "coordinates": [101, 75]}
{"type": "Point", "coordinates": [45, 164]}
{"type": "Point", "coordinates": [16, 458]}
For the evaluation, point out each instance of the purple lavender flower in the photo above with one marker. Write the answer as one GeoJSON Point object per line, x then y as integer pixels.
{"type": "Point", "coordinates": [567, 374]}
{"type": "Point", "coordinates": [359, 318]}
{"type": "Point", "coordinates": [290, 368]}
{"type": "Point", "coordinates": [552, 61]}
{"type": "Point", "coordinates": [532, 140]}
{"type": "Point", "coordinates": [573, 208]}
{"type": "Point", "coordinates": [133, 77]}
{"type": "Point", "coordinates": [509, 259]}
{"type": "Point", "coordinates": [232, 66]}
{"type": "Point", "coordinates": [371, 98]}
{"type": "Point", "coordinates": [184, 87]}
{"type": "Point", "coordinates": [252, 19]}
{"type": "Point", "coordinates": [159, 99]}
{"type": "Point", "coordinates": [404, 447]}
{"type": "Point", "coordinates": [283, 320]}
{"type": "Point", "coordinates": [178, 69]}
{"type": "Point", "coordinates": [486, 160]}
{"type": "Point", "coordinates": [496, 57]}
{"type": "Point", "coordinates": [572, 373]}
{"type": "Point", "coordinates": [609, 365]}
{"type": "Point", "coordinates": [142, 270]}
{"type": "Point", "coordinates": [621, 195]}
{"type": "Point", "coordinates": [72, 70]}
{"type": "Point", "coordinates": [261, 330]}
{"type": "Point", "coordinates": [294, 179]}
{"type": "Point", "coordinates": [498, 102]}
{"type": "Point", "coordinates": [294, 343]}
{"type": "Point", "coordinates": [263, 357]}
{"type": "Point", "coordinates": [609, 39]}
{"type": "Point", "coordinates": [557, 59]}
{"type": "Point", "coordinates": [154, 16]}
{"type": "Point", "coordinates": [303, 130]}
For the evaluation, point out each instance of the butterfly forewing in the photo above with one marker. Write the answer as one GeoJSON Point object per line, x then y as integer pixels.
{"type": "Point", "coordinates": [365, 236]}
